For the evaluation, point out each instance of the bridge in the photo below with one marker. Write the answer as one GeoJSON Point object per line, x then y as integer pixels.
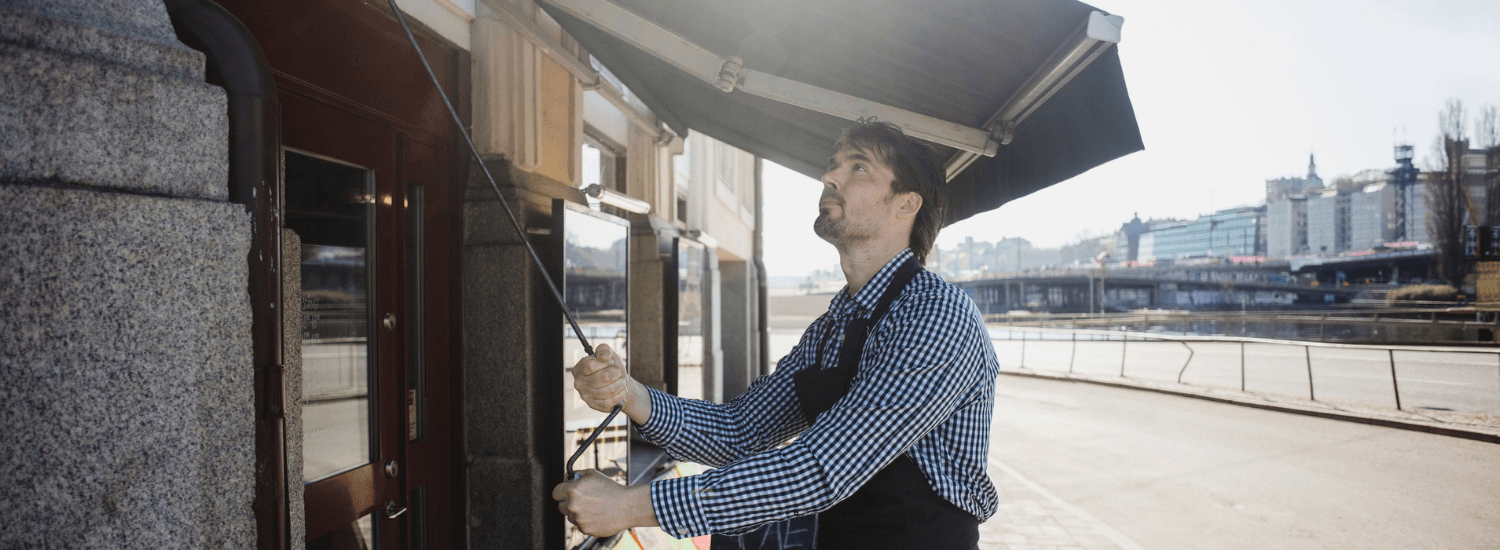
{"type": "Point", "coordinates": [1203, 284]}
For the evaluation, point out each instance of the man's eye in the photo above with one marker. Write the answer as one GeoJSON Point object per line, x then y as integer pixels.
{"type": "Point", "coordinates": [860, 167]}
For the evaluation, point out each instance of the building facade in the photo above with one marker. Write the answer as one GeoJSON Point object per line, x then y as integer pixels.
{"type": "Point", "coordinates": [253, 274]}
{"type": "Point", "coordinates": [1226, 233]}
{"type": "Point", "coordinates": [1371, 217]}
{"type": "Point", "coordinates": [1286, 227]}
{"type": "Point", "coordinates": [1328, 223]}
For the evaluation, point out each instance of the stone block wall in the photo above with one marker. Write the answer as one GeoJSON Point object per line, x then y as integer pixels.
{"type": "Point", "coordinates": [125, 353]}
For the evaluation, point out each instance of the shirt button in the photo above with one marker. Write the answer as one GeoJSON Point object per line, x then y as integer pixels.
{"type": "Point", "coordinates": [682, 532]}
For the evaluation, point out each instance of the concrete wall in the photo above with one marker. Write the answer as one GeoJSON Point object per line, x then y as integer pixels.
{"type": "Point", "coordinates": [125, 353]}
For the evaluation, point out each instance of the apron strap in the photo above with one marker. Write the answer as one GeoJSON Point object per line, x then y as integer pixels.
{"type": "Point", "coordinates": [819, 388]}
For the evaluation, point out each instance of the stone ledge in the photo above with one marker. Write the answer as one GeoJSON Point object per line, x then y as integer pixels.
{"type": "Point", "coordinates": [82, 121]}
{"type": "Point", "coordinates": [144, 19]}
{"type": "Point", "coordinates": [31, 31]}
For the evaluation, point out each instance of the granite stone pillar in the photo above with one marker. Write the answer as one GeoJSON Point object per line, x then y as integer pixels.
{"type": "Point", "coordinates": [512, 354]}
{"type": "Point", "coordinates": [650, 257]}
{"type": "Point", "coordinates": [125, 353]}
{"type": "Point", "coordinates": [740, 329]}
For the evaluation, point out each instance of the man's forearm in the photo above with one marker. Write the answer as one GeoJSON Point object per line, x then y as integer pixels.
{"type": "Point", "coordinates": [638, 501]}
{"type": "Point", "coordinates": [637, 406]}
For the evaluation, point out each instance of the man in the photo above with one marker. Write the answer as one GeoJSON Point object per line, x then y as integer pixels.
{"type": "Point", "coordinates": [888, 395]}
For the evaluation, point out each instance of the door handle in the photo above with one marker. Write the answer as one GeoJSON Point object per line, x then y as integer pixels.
{"type": "Point", "coordinates": [391, 511]}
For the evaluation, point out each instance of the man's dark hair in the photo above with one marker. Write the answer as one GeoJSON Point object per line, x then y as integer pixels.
{"type": "Point", "coordinates": [917, 168]}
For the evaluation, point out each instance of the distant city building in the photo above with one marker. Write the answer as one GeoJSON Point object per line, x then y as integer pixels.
{"type": "Point", "coordinates": [1371, 217]}
{"type": "Point", "coordinates": [1416, 213]}
{"type": "Point", "coordinates": [1279, 189]}
{"type": "Point", "coordinates": [1286, 227]}
{"type": "Point", "coordinates": [1372, 209]}
{"type": "Point", "coordinates": [1128, 239]}
{"type": "Point", "coordinates": [1226, 233]}
{"type": "Point", "coordinates": [1475, 187]}
{"type": "Point", "coordinates": [1328, 223]}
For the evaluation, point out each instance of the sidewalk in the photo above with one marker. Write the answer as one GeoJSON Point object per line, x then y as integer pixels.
{"type": "Point", "coordinates": [1031, 518]}
{"type": "Point", "coordinates": [1477, 427]}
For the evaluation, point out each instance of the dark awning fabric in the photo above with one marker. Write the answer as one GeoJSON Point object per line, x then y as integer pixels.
{"type": "Point", "coordinates": [955, 60]}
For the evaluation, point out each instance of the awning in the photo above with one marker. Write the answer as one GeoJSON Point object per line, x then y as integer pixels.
{"type": "Point", "coordinates": [952, 68]}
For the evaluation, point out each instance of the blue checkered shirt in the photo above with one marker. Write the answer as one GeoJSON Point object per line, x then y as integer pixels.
{"type": "Point", "coordinates": [925, 386]}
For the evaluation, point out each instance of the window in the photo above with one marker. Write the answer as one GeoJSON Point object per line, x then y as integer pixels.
{"type": "Point", "coordinates": [724, 161]}
{"type": "Point", "coordinates": [747, 195]}
{"type": "Point", "coordinates": [682, 177]}
{"type": "Point", "coordinates": [603, 163]}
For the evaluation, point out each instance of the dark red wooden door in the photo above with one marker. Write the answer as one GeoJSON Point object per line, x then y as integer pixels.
{"type": "Point", "coordinates": [374, 177]}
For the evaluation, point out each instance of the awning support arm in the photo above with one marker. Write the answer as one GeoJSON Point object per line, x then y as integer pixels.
{"type": "Point", "coordinates": [729, 74]}
{"type": "Point", "coordinates": [1097, 34]}
{"type": "Point", "coordinates": [586, 75]}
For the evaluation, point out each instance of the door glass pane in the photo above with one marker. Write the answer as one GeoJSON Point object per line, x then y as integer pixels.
{"type": "Point", "coordinates": [331, 206]}
{"type": "Point", "coordinates": [690, 319]}
{"type": "Point", "coordinates": [359, 535]}
{"type": "Point", "coordinates": [596, 288]}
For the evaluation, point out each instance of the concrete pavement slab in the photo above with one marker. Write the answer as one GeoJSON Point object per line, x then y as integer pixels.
{"type": "Point", "coordinates": [1031, 517]}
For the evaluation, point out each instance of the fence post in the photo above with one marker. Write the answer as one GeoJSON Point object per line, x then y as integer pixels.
{"type": "Point", "coordinates": [1242, 365]}
{"type": "Point", "coordinates": [1074, 353]}
{"type": "Point", "coordinates": [1023, 350]}
{"type": "Point", "coordinates": [1307, 352]}
{"type": "Point", "coordinates": [1391, 352]}
{"type": "Point", "coordinates": [1185, 363]}
{"type": "Point", "coordinates": [1124, 345]}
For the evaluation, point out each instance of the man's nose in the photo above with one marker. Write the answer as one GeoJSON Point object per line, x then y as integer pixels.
{"type": "Point", "coordinates": [829, 179]}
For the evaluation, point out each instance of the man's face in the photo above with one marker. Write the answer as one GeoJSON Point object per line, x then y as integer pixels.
{"type": "Point", "coordinates": [857, 197]}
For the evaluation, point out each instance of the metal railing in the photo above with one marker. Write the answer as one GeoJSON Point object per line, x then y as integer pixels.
{"type": "Point", "coordinates": [1386, 326]}
{"type": "Point", "coordinates": [1458, 379]}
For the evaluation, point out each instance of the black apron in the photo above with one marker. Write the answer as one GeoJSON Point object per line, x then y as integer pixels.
{"type": "Point", "coordinates": [897, 508]}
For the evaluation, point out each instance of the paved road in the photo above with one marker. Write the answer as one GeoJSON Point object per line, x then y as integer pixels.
{"type": "Point", "coordinates": [1170, 472]}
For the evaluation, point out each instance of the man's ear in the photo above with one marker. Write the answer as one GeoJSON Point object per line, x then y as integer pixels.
{"type": "Point", "coordinates": [909, 204]}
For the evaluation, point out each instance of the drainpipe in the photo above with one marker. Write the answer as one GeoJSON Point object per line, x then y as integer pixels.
{"type": "Point", "coordinates": [760, 270]}
{"type": "Point", "coordinates": [236, 62]}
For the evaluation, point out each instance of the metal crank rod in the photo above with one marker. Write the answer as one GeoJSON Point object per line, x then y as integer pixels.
{"type": "Point", "coordinates": [458, 123]}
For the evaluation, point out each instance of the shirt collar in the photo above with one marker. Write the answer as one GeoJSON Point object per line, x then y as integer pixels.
{"type": "Point", "coordinates": [869, 296]}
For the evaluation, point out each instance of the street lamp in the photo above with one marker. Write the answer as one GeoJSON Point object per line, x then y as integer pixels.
{"type": "Point", "coordinates": [1100, 259]}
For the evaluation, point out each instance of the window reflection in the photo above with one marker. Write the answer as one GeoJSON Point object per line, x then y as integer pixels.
{"type": "Point", "coordinates": [330, 207]}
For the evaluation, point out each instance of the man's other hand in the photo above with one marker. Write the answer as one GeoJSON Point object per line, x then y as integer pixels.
{"type": "Point", "coordinates": [601, 507]}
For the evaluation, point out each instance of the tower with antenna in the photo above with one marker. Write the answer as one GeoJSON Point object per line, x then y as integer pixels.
{"type": "Point", "coordinates": [1404, 177]}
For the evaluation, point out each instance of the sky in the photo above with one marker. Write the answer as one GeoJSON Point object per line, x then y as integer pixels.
{"type": "Point", "coordinates": [1229, 94]}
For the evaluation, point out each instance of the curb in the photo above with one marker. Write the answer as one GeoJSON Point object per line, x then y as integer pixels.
{"type": "Point", "coordinates": [1332, 414]}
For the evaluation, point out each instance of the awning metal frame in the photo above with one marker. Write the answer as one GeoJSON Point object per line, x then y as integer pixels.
{"type": "Point", "coordinates": [1094, 36]}
{"type": "Point", "coordinates": [1100, 32]}
{"type": "Point", "coordinates": [729, 74]}
{"type": "Point", "coordinates": [589, 78]}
